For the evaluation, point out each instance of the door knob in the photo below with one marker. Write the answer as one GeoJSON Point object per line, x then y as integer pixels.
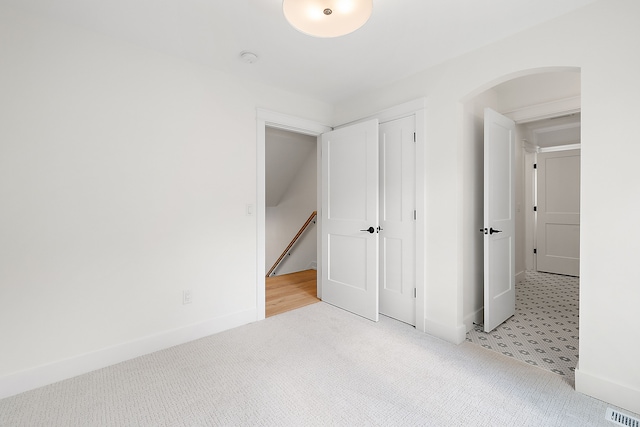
{"type": "Point", "coordinates": [491, 231]}
{"type": "Point", "coordinates": [370, 230]}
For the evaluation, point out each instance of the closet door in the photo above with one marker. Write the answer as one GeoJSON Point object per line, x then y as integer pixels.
{"type": "Point", "coordinates": [397, 219]}
{"type": "Point", "coordinates": [349, 212]}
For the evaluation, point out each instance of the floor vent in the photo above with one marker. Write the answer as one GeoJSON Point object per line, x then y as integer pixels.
{"type": "Point", "coordinates": [621, 419]}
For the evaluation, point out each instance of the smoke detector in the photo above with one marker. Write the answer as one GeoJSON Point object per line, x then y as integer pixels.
{"type": "Point", "coordinates": [248, 57]}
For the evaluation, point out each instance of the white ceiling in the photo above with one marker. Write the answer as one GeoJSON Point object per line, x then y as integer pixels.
{"type": "Point", "coordinates": [401, 38]}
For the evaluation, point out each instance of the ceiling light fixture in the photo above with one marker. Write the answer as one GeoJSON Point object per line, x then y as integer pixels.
{"type": "Point", "coordinates": [327, 18]}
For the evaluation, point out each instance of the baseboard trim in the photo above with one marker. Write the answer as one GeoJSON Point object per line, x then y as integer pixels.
{"type": "Point", "coordinates": [455, 335]}
{"type": "Point", "coordinates": [520, 277]}
{"type": "Point", "coordinates": [40, 376]}
{"type": "Point", "coordinates": [616, 394]}
{"type": "Point", "coordinates": [475, 317]}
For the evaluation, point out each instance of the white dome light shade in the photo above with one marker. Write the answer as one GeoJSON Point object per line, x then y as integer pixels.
{"type": "Point", "coordinates": [327, 18]}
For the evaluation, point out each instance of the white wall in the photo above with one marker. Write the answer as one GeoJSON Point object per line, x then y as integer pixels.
{"type": "Point", "coordinates": [284, 221]}
{"type": "Point", "coordinates": [597, 39]}
{"type": "Point", "coordinates": [537, 89]}
{"type": "Point", "coordinates": [124, 179]}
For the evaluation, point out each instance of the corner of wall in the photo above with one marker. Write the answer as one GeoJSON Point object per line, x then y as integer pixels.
{"type": "Point", "coordinates": [452, 334]}
{"type": "Point", "coordinates": [475, 317]}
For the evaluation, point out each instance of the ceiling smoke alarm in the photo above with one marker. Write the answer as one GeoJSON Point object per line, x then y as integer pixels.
{"type": "Point", "coordinates": [248, 57]}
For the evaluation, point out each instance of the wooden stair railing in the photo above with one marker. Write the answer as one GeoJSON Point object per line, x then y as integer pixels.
{"type": "Point", "coordinates": [293, 242]}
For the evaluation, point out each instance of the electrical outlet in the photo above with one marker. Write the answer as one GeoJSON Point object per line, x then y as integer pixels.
{"type": "Point", "coordinates": [186, 296]}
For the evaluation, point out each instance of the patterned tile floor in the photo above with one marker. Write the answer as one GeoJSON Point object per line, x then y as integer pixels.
{"type": "Point", "coordinates": [544, 330]}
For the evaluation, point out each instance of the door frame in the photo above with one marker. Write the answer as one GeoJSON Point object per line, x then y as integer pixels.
{"type": "Point", "coordinates": [527, 114]}
{"type": "Point", "coordinates": [267, 118]}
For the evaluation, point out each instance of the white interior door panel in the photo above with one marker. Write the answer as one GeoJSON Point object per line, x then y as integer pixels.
{"type": "Point", "coordinates": [350, 208]}
{"type": "Point", "coordinates": [499, 219]}
{"type": "Point", "coordinates": [397, 221]}
{"type": "Point", "coordinates": [558, 212]}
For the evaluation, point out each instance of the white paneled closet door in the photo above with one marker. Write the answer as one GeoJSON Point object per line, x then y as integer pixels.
{"type": "Point", "coordinates": [397, 219]}
{"type": "Point", "coordinates": [369, 218]}
{"type": "Point", "coordinates": [350, 218]}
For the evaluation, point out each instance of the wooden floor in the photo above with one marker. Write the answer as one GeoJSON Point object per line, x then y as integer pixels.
{"type": "Point", "coordinates": [290, 291]}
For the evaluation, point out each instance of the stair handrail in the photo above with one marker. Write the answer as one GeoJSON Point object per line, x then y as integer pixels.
{"type": "Point", "coordinates": [293, 242]}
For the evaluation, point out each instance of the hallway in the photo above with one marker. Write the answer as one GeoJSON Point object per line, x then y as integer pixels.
{"type": "Point", "coordinates": [290, 291]}
{"type": "Point", "coordinates": [545, 328]}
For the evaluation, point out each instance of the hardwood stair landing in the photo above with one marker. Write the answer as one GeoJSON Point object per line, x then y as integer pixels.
{"type": "Point", "coordinates": [290, 291]}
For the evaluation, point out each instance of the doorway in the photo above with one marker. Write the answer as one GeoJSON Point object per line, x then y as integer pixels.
{"type": "Point", "coordinates": [290, 220]}
{"type": "Point", "coordinates": [266, 119]}
{"type": "Point", "coordinates": [552, 194]}
{"type": "Point", "coordinates": [290, 202]}
{"type": "Point", "coordinates": [552, 96]}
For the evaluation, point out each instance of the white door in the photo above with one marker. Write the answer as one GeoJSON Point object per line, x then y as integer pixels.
{"type": "Point", "coordinates": [499, 219]}
{"type": "Point", "coordinates": [397, 220]}
{"type": "Point", "coordinates": [558, 212]}
{"type": "Point", "coordinates": [349, 210]}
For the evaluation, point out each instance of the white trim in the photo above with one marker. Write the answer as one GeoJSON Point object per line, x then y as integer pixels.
{"type": "Point", "coordinates": [319, 216]}
{"type": "Point", "coordinates": [546, 110]}
{"type": "Point", "coordinates": [393, 113]}
{"type": "Point", "coordinates": [476, 317]}
{"type": "Point", "coordinates": [611, 392]}
{"type": "Point", "coordinates": [40, 376]}
{"type": "Point", "coordinates": [421, 217]}
{"type": "Point", "coordinates": [559, 148]}
{"type": "Point", "coordinates": [555, 128]}
{"type": "Point", "coordinates": [264, 119]}
{"type": "Point", "coordinates": [455, 335]}
{"type": "Point", "coordinates": [529, 147]}
{"type": "Point", "coordinates": [520, 277]}
{"type": "Point", "coordinates": [291, 123]}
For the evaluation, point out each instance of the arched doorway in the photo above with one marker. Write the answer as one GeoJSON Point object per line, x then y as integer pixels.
{"type": "Point", "coordinates": [540, 332]}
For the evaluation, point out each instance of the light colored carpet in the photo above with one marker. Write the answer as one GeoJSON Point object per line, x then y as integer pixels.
{"type": "Point", "coordinates": [544, 331]}
{"type": "Point", "coordinates": [317, 365]}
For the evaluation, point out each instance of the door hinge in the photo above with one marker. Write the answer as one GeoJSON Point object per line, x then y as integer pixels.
{"type": "Point", "coordinates": [535, 166]}
{"type": "Point", "coordinates": [415, 293]}
{"type": "Point", "coordinates": [535, 251]}
{"type": "Point", "coordinates": [414, 137]}
{"type": "Point", "coordinates": [535, 209]}
{"type": "Point", "coordinates": [415, 215]}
